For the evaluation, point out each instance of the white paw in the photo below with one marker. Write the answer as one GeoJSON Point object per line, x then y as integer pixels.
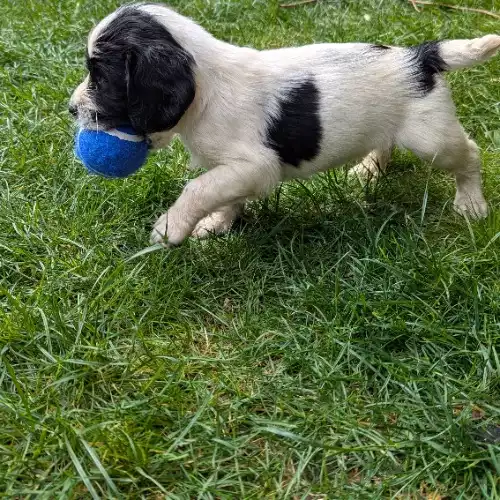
{"type": "Point", "coordinates": [474, 207]}
{"type": "Point", "coordinates": [365, 171]}
{"type": "Point", "coordinates": [215, 223]}
{"type": "Point", "coordinates": [159, 233]}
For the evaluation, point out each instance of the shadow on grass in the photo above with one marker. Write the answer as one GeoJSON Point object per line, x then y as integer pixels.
{"type": "Point", "coordinates": [332, 206]}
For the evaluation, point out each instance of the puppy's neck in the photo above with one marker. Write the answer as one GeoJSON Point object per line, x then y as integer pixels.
{"type": "Point", "coordinates": [204, 48]}
{"type": "Point", "coordinates": [218, 65]}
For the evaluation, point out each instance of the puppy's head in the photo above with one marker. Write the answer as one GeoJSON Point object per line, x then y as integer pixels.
{"type": "Point", "coordinates": [137, 74]}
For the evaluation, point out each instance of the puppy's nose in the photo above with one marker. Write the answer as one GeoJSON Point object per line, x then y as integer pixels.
{"type": "Point", "coordinates": [73, 109]}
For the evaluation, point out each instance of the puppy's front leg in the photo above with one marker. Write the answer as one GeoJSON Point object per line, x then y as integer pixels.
{"type": "Point", "coordinates": [221, 186]}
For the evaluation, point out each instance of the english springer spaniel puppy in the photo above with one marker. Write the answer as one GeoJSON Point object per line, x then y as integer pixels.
{"type": "Point", "coordinates": [255, 118]}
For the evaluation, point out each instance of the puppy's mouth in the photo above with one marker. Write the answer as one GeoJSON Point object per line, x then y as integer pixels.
{"type": "Point", "coordinates": [92, 119]}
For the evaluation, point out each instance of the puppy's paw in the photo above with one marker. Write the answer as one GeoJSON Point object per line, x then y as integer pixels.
{"type": "Point", "coordinates": [474, 207]}
{"type": "Point", "coordinates": [159, 232]}
{"type": "Point", "coordinates": [219, 222]}
{"type": "Point", "coordinates": [365, 171]}
{"type": "Point", "coordinates": [172, 228]}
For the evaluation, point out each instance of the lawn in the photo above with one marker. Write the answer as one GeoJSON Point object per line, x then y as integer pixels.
{"type": "Point", "coordinates": [342, 342]}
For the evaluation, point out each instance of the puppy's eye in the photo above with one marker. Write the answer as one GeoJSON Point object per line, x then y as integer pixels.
{"type": "Point", "coordinates": [92, 85]}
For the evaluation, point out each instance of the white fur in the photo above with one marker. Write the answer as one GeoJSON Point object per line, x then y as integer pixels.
{"type": "Point", "coordinates": [365, 108]}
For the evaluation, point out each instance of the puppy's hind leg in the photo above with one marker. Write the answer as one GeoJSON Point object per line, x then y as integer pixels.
{"type": "Point", "coordinates": [372, 165]}
{"type": "Point", "coordinates": [434, 133]}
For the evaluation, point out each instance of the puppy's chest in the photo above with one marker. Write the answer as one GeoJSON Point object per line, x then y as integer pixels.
{"type": "Point", "coordinates": [204, 154]}
{"type": "Point", "coordinates": [211, 146]}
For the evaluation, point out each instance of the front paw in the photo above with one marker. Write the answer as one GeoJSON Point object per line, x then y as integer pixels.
{"type": "Point", "coordinates": [173, 227]}
{"type": "Point", "coordinates": [216, 223]}
{"type": "Point", "coordinates": [366, 171]}
{"type": "Point", "coordinates": [159, 232]}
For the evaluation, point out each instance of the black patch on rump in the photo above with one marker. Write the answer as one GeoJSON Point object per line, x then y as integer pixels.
{"type": "Point", "coordinates": [426, 62]}
{"type": "Point", "coordinates": [139, 74]}
{"type": "Point", "coordinates": [295, 132]}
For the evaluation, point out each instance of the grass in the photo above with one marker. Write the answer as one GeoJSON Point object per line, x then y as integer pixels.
{"type": "Point", "coordinates": [340, 343]}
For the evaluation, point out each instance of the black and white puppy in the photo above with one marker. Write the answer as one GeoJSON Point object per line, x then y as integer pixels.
{"type": "Point", "coordinates": [255, 118]}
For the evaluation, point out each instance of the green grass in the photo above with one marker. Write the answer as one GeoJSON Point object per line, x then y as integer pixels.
{"type": "Point", "coordinates": [340, 342]}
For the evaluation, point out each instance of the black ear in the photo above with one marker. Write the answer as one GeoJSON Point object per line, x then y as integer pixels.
{"type": "Point", "coordinates": [160, 85]}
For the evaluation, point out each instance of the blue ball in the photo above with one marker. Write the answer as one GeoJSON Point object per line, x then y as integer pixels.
{"type": "Point", "coordinates": [112, 153]}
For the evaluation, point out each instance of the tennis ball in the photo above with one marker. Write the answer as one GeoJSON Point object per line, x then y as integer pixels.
{"type": "Point", "coordinates": [117, 152]}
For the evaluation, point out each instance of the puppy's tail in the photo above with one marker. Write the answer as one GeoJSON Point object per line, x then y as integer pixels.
{"type": "Point", "coordinates": [458, 54]}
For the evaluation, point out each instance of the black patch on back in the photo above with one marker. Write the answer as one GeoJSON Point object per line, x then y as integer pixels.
{"type": "Point", "coordinates": [426, 62]}
{"type": "Point", "coordinates": [295, 133]}
{"type": "Point", "coordinates": [139, 74]}
{"type": "Point", "coordinates": [380, 47]}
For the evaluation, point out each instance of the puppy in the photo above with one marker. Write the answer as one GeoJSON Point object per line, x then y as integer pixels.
{"type": "Point", "coordinates": [255, 118]}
